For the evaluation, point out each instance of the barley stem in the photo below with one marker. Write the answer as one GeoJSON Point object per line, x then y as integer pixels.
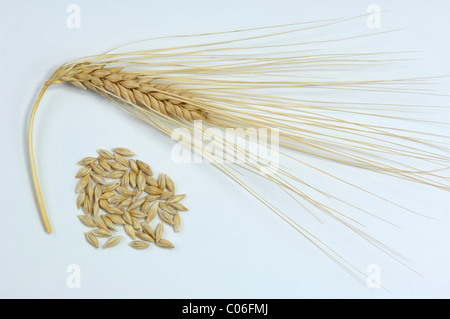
{"type": "Point", "coordinates": [37, 189]}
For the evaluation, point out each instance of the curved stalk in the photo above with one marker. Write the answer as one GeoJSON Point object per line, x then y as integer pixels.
{"type": "Point", "coordinates": [37, 189]}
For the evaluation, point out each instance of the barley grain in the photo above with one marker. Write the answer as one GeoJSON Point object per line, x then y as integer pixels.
{"type": "Point", "coordinates": [136, 204]}
{"type": "Point", "coordinates": [111, 186]}
{"type": "Point", "coordinates": [107, 195]}
{"type": "Point", "coordinates": [83, 171]}
{"type": "Point", "coordinates": [123, 151]}
{"type": "Point", "coordinates": [159, 232]}
{"type": "Point", "coordinates": [99, 232]}
{"type": "Point", "coordinates": [113, 241]}
{"type": "Point", "coordinates": [176, 222]}
{"type": "Point", "coordinates": [82, 183]}
{"type": "Point", "coordinates": [98, 178]}
{"type": "Point", "coordinates": [175, 199]}
{"type": "Point", "coordinates": [133, 165]}
{"type": "Point", "coordinates": [140, 181]}
{"type": "Point", "coordinates": [80, 199]}
{"type": "Point", "coordinates": [138, 244]}
{"type": "Point", "coordinates": [118, 166]}
{"type": "Point", "coordinates": [116, 174]}
{"type": "Point", "coordinates": [169, 184]}
{"type": "Point", "coordinates": [104, 163]}
{"type": "Point", "coordinates": [91, 239]}
{"type": "Point", "coordinates": [152, 190]}
{"type": "Point", "coordinates": [165, 217]}
{"type": "Point", "coordinates": [178, 206]}
{"type": "Point", "coordinates": [87, 221]}
{"type": "Point", "coordinates": [105, 154]}
{"type": "Point", "coordinates": [144, 237]}
{"type": "Point", "coordinates": [122, 160]}
{"type": "Point", "coordinates": [164, 243]}
{"type": "Point", "coordinates": [98, 169]}
{"type": "Point", "coordinates": [108, 222]}
{"type": "Point", "coordinates": [144, 167]}
{"type": "Point", "coordinates": [116, 219]}
{"type": "Point", "coordinates": [130, 231]}
{"type": "Point", "coordinates": [86, 161]}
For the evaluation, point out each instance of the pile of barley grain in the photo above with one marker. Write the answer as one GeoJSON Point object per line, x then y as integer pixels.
{"type": "Point", "coordinates": [116, 190]}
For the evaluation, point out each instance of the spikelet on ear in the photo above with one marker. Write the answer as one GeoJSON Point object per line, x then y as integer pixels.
{"type": "Point", "coordinates": [240, 81]}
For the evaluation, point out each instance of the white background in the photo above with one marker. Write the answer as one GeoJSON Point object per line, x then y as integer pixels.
{"type": "Point", "coordinates": [230, 246]}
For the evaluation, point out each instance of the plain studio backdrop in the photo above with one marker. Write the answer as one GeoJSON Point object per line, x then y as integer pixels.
{"type": "Point", "coordinates": [230, 245]}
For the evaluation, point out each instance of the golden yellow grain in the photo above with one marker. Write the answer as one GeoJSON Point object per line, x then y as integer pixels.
{"type": "Point", "coordinates": [116, 219]}
{"type": "Point", "coordinates": [123, 151]}
{"type": "Point", "coordinates": [137, 213]}
{"type": "Point", "coordinates": [99, 232]}
{"type": "Point", "coordinates": [138, 244]}
{"type": "Point", "coordinates": [130, 231]}
{"type": "Point", "coordinates": [178, 206]}
{"type": "Point", "coordinates": [113, 241]}
{"type": "Point", "coordinates": [134, 167]}
{"type": "Point", "coordinates": [151, 181]}
{"type": "Point", "coordinates": [83, 171]}
{"type": "Point", "coordinates": [161, 181]}
{"type": "Point", "coordinates": [152, 212]}
{"type": "Point", "coordinates": [105, 154]}
{"type": "Point", "coordinates": [87, 221]}
{"type": "Point", "coordinates": [144, 237]}
{"type": "Point", "coordinates": [115, 210]}
{"type": "Point", "coordinates": [82, 183]}
{"type": "Point", "coordinates": [127, 217]}
{"type": "Point", "coordinates": [95, 208]}
{"type": "Point", "coordinates": [168, 208]}
{"type": "Point", "coordinates": [87, 207]}
{"type": "Point", "coordinates": [144, 167]}
{"type": "Point", "coordinates": [108, 222]}
{"type": "Point", "coordinates": [111, 186]}
{"type": "Point", "coordinates": [125, 180]}
{"type": "Point", "coordinates": [97, 192]}
{"type": "Point", "coordinates": [165, 216]}
{"type": "Point", "coordinates": [116, 174]}
{"type": "Point", "coordinates": [118, 166]}
{"type": "Point", "coordinates": [166, 195]}
{"type": "Point", "coordinates": [148, 230]}
{"type": "Point", "coordinates": [91, 239]}
{"type": "Point", "coordinates": [133, 179]}
{"type": "Point", "coordinates": [152, 198]}
{"type": "Point", "coordinates": [80, 199]}
{"type": "Point", "coordinates": [137, 195]}
{"type": "Point", "coordinates": [116, 199]}
{"type": "Point", "coordinates": [176, 222]}
{"type": "Point", "coordinates": [90, 190]}
{"type": "Point", "coordinates": [122, 160]}
{"type": "Point", "coordinates": [152, 190]}
{"type": "Point", "coordinates": [169, 184]}
{"type": "Point", "coordinates": [136, 224]}
{"type": "Point", "coordinates": [86, 161]}
{"type": "Point", "coordinates": [104, 163]}
{"type": "Point", "coordinates": [98, 178]}
{"type": "Point", "coordinates": [124, 191]}
{"type": "Point", "coordinates": [159, 232]}
{"type": "Point", "coordinates": [164, 243]}
{"type": "Point", "coordinates": [98, 169]}
{"type": "Point", "coordinates": [100, 222]}
{"type": "Point", "coordinates": [175, 198]}
{"type": "Point", "coordinates": [106, 196]}
{"type": "Point", "coordinates": [140, 181]}
{"type": "Point", "coordinates": [126, 203]}
{"type": "Point", "coordinates": [137, 204]}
